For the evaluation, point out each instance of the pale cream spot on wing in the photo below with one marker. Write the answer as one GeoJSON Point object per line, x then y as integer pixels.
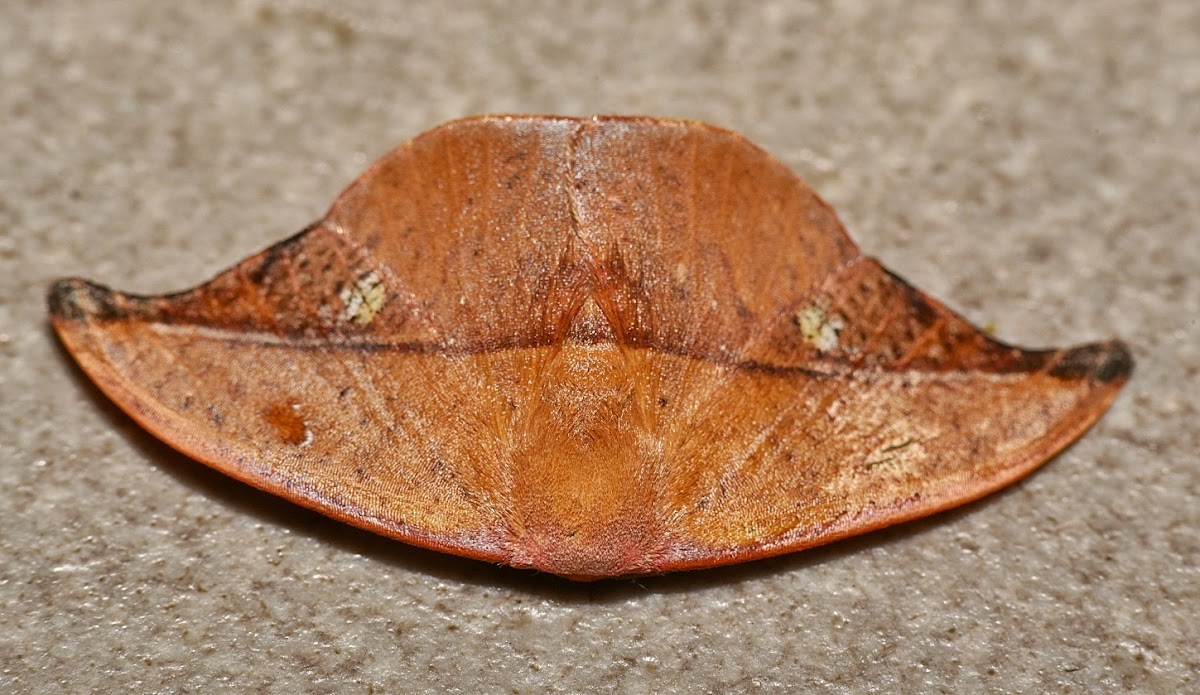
{"type": "Point", "coordinates": [818, 328]}
{"type": "Point", "coordinates": [681, 273]}
{"type": "Point", "coordinates": [364, 299]}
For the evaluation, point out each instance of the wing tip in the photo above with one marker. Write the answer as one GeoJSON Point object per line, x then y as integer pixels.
{"type": "Point", "coordinates": [75, 300]}
{"type": "Point", "coordinates": [1110, 362]}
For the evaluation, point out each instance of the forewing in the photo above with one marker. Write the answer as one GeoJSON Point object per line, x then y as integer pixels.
{"type": "Point", "coordinates": [865, 405]}
{"type": "Point", "coordinates": [370, 366]}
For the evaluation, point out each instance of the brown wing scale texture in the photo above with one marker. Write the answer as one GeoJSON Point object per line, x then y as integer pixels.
{"type": "Point", "coordinates": [594, 347]}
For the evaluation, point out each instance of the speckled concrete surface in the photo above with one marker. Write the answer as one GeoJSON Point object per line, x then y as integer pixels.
{"type": "Point", "coordinates": [1036, 165]}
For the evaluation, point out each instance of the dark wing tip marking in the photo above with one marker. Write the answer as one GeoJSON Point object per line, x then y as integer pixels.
{"type": "Point", "coordinates": [76, 299]}
{"type": "Point", "coordinates": [1108, 362]}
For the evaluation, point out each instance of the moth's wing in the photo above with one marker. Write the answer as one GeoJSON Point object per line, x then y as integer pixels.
{"type": "Point", "coordinates": [861, 406]}
{"type": "Point", "coordinates": [697, 235]}
{"type": "Point", "coordinates": [333, 368]}
{"type": "Point", "coordinates": [797, 392]}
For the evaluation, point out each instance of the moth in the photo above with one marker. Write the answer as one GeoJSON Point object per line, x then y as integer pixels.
{"type": "Point", "coordinates": [593, 347]}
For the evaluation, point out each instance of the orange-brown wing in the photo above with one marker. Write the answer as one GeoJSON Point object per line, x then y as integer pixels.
{"type": "Point", "coordinates": [863, 405]}
{"type": "Point", "coordinates": [368, 367]}
{"type": "Point", "coordinates": [696, 235]}
{"type": "Point", "coordinates": [791, 391]}
{"type": "Point", "coordinates": [471, 223]}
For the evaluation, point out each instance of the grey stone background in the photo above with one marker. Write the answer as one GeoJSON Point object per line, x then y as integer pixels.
{"type": "Point", "coordinates": [1036, 165]}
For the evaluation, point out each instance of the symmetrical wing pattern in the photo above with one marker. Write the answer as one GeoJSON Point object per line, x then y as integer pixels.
{"type": "Point", "coordinates": [592, 347]}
